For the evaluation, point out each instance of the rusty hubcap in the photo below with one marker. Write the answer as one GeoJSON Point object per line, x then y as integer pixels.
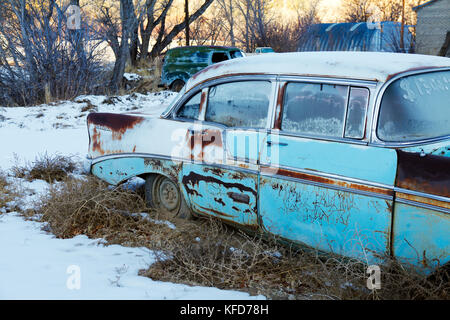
{"type": "Point", "coordinates": [168, 195]}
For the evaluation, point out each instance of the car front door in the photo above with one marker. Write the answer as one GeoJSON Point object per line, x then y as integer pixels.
{"type": "Point", "coordinates": [223, 182]}
{"type": "Point", "coordinates": [320, 184]}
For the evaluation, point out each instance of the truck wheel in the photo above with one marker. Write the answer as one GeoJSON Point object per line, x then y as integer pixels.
{"type": "Point", "coordinates": [177, 85]}
{"type": "Point", "coordinates": [164, 195]}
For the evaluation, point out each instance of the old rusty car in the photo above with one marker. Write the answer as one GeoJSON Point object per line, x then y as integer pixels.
{"type": "Point", "coordinates": [181, 63]}
{"type": "Point", "coordinates": [342, 152]}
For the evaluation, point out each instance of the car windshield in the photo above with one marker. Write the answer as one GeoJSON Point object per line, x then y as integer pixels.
{"type": "Point", "coordinates": [416, 107]}
{"type": "Point", "coordinates": [236, 54]}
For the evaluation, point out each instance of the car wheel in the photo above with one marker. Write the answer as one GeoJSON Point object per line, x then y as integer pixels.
{"type": "Point", "coordinates": [163, 194]}
{"type": "Point", "coordinates": [177, 85]}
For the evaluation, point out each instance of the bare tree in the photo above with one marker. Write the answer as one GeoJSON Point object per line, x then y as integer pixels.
{"type": "Point", "coordinates": [40, 58]}
{"type": "Point", "coordinates": [357, 10]}
{"type": "Point", "coordinates": [207, 30]}
{"type": "Point", "coordinates": [257, 19]}
{"type": "Point", "coordinates": [284, 36]}
{"type": "Point", "coordinates": [381, 10]}
{"type": "Point", "coordinates": [228, 9]}
{"type": "Point", "coordinates": [164, 39]}
{"type": "Point", "coordinates": [138, 23]}
{"type": "Point", "coordinates": [128, 23]}
{"type": "Point", "coordinates": [155, 15]}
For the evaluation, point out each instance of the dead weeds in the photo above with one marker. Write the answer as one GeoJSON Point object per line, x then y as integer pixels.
{"type": "Point", "coordinates": [7, 193]}
{"type": "Point", "coordinates": [46, 167]}
{"type": "Point", "coordinates": [207, 252]}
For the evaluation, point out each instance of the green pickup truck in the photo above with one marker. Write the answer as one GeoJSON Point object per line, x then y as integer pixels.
{"type": "Point", "coordinates": [183, 62]}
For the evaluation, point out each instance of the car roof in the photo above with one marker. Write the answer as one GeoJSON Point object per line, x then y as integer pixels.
{"type": "Point", "coordinates": [203, 47]}
{"type": "Point", "coordinates": [371, 66]}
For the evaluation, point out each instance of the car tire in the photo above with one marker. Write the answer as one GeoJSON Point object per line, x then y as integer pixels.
{"type": "Point", "coordinates": [164, 195]}
{"type": "Point", "coordinates": [177, 85]}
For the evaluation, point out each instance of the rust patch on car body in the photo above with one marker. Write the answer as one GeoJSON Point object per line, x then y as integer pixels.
{"type": "Point", "coordinates": [207, 211]}
{"type": "Point", "coordinates": [171, 170]}
{"type": "Point", "coordinates": [203, 100]}
{"type": "Point", "coordinates": [194, 178]}
{"type": "Point", "coordinates": [116, 123]}
{"type": "Point", "coordinates": [95, 142]}
{"type": "Point", "coordinates": [427, 174]}
{"type": "Point", "coordinates": [279, 107]}
{"type": "Point", "coordinates": [205, 144]}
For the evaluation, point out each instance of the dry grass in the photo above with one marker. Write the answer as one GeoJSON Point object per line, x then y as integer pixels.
{"type": "Point", "coordinates": [150, 71]}
{"type": "Point", "coordinates": [93, 208]}
{"type": "Point", "coordinates": [207, 252]}
{"type": "Point", "coordinates": [228, 259]}
{"type": "Point", "coordinates": [45, 167]}
{"type": "Point", "coordinates": [6, 195]}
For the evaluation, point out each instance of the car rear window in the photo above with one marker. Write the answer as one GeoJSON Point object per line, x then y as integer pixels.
{"type": "Point", "coordinates": [416, 107]}
{"type": "Point", "coordinates": [219, 56]}
{"type": "Point", "coordinates": [315, 109]}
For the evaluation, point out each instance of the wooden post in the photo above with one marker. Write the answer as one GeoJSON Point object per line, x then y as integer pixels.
{"type": "Point", "coordinates": [445, 46]}
{"type": "Point", "coordinates": [186, 19]}
{"type": "Point", "coordinates": [402, 31]}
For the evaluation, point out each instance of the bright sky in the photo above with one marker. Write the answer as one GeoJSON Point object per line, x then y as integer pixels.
{"type": "Point", "coordinates": [328, 10]}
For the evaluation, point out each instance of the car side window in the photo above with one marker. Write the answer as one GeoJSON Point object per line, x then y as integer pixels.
{"type": "Point", "coordinates": [191, 108]}
{"type": "Point", "coordinates": [356, 113]}
{"type": "Point", "coordinates": [239, 104]}
{"type": "Point", "coordinates": [315, 109]}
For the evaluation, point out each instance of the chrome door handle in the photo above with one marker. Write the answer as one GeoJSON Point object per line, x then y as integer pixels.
{"type": "Point", "coordinates": [282, 144]}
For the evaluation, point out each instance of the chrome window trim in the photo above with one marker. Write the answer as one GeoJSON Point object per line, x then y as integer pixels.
{"type": "Point", "coordinates": [423, 195]}
{"type": "Point", "coordinates": [272, 104]}
{"type": "Point", "coordinates": [374, 140]}
{"type": "Point", "coordinates": [366, 113]}
{"type": "Point", "coordinates": [325, 80]}
{"type": "Point", "coordinates": [201, 116]}
{"type": "Point", "coordinates": [233, 78]}
{"type": "Point", "coordinates": [291, 134]}
{"type": "Point", "coordinates": [169, 158]}
{"type": "Point", "coordinates": [369, 85]}
{"type": "Point", "coordinates": [242, 160]}
{"type": "Point", "coordinates": [344, 122]}
{"type": "Point", "coordinates": [279, 84]}
{"type": "Point", "coordinates": [267, 78]}
{"type": "Point", "coordinates": [133, 155]}
{"type": "Point", "coordinates": [180, 103]}
{"type": "Point", "coordinates": [332, 176]}
{"type": "Point", "coordinates": [309, 182]}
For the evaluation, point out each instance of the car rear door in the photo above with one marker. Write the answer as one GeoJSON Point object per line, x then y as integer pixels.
{"type": "Point", "coordinates": [321, 185]}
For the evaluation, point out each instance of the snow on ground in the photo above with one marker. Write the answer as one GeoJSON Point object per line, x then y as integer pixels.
{"type": "Point", "coordinates": [30, 131]}
{"type": "Point", "coordinates": [36, 265]}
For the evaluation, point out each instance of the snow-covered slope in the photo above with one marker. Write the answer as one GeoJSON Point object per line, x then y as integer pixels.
{"type": "Point", "coordinates": [36, 265]}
